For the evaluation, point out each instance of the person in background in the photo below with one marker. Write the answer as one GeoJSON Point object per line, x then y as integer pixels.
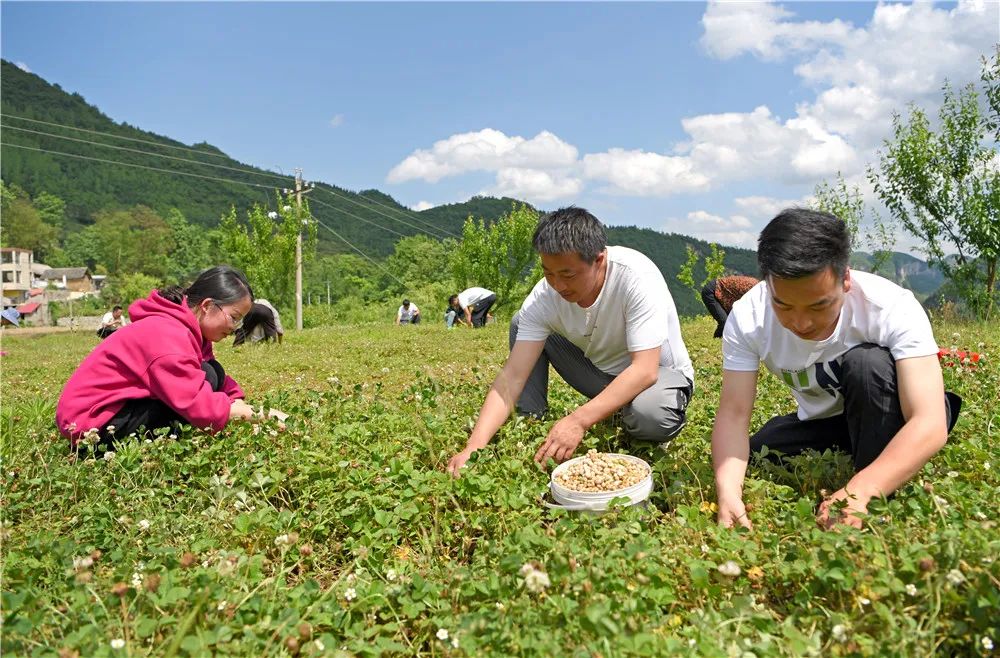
{"type": "Point", "coordinates": [454, 313]}
{"type": "Point", "coordinates": [475, 304]}
{"type": "Point", "coordinates": [859, 356]}
{"type": "Point", "coordinates": [603, 317]}
{"type": "Point", "coordinates": [112, 321]}
{"type": "Point", "coordinates": [720, 294]}
{"type": "Point", "coordinates": [160, 370]}
{"type": "Point", "coordinates": [408, 313]}
{"type": "Point", "coordinates": [262, 323]}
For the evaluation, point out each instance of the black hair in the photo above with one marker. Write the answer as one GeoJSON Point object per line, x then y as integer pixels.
{"type": "Point", "coordinates": [800, 242]}
{"type": "Point", "coordinates": [117, 307]}
{"type": "Point", "coordinates": [453, 298]}
{"type": "Point", "coordinates": [222, 284]}
{"type": "Point", "coordinates": [570, 230]}
{"type": "Point", "coordinates": [258, 315]}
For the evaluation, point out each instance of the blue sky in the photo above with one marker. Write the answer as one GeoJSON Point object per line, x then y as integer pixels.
{"type": "Point", "coordinates": [696, 118]}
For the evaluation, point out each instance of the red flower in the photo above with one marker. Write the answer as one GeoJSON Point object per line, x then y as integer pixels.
{"type": "Point", "coordinates": [942, 353]}
{"type": "Point", "coordinates": [961, 354]}
{"type": "Point", "coordinates": [975, 356]}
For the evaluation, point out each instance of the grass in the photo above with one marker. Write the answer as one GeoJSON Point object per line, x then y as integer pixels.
{"type": "Point", "coordinates": [343, 536]}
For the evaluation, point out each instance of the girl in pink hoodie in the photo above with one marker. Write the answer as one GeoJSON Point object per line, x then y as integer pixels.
{"type": "Point", "coordinates": [160, 369]}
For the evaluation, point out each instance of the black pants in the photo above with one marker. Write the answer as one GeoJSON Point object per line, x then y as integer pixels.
{"type": "Point", "coordinates": [480, 309]}
{"type": "Point", "coordinates": [714, 306]}
{"type": "Point", "coordinates": [151, 414]}
{"type": "Point", "coordinates": [104, 332]}
{"type": "Point", "coordinates": [872, 414]}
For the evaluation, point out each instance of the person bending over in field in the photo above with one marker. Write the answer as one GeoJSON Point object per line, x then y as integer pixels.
{"type": "Point", "coordinates": [720, 294]}
{"type": "Point", "coordinates": [605, 320]}
{"type": "Point", "coordinates": [261, 323]}
{"type": "Point", "coordinates": [856, 350]}
{"type": "Point", "coordinates": [160, 369]}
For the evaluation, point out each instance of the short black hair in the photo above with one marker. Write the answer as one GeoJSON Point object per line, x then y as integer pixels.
{"type": "Point", "coordinates": [117, 307]}
{"type": "Point", "coordinates": [452, 299]}
{"type": "Point", "coordinates": [406, 302]}
{"type": "Point", "coordinates": [570, 230]}
{"type": "Point", "coordinates": [800, 242]}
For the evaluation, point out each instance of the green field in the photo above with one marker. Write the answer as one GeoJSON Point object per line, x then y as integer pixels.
{"type": "Point", "coordinates": [343, 536]}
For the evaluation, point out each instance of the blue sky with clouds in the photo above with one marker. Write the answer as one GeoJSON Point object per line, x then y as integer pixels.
{"type": "Point", "coordinates": [697, 118]}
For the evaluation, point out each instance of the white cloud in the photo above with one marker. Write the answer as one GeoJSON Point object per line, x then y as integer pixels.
{"type": "Point", "coordinates": [643, 174]}
{"type": "Point", "coordinates": [734, 28]}
{"type": "Point", "coordinates": [734, 231]}
{"type": "Point", "coordinates": [22, 66]}
{"type": "Point", "coordinates": [337, 120]}
{"type": "Point", "coordinates": [765, 208]}
{"type": "Point", "coordinates": [485, 150]}
{"type": "Point", "coordinates": [421, 205]}
{"type": "Point", "coordinates": [535, 185]}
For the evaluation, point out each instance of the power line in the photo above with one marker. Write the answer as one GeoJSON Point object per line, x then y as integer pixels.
{"type": "Point", "coordinates": [426, 226]}
{"type": "Point", "coordinates": [114, 136]}
{"type": "Point", "coordinates": [155, 155]}
{"type": "Point", "coordinates": [363, 254]}
{"type": "Point", "coordinates": [384, 228]}
{"type": "Point", "coordinates": [138, 166]}
{"type": "Point", "coordinates": [395, 219]}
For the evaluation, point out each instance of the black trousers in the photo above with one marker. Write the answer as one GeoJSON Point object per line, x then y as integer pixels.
{"type": "Point", "coordinates": [104, 332]}
{"type": "Point", "coordinates": [151, 414]}
{"type": "Point", "coordinates": [872, 414]}
{"type": "Point", "coordinates": [714, 306]}
{"type": "Point", "coordinates": [480, 309]}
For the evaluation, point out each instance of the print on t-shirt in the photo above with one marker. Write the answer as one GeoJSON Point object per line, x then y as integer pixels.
{"type": "Point", "coordinates": [822, 375]}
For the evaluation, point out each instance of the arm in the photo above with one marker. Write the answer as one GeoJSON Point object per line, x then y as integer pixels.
{"type": "Point", "coordinates": [921, 397]}
{"type": "Point", "coordinates": [566, 435]}
{"type": "Point", "coordinates": [468, 315]}
{"type": "Point", "coordinates": [500, 400]}
{"type": "Point", "coordinates": [731, 444]}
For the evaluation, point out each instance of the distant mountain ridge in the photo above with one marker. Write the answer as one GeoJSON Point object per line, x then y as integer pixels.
{"type": "Point", "coordinates": [33, 110]}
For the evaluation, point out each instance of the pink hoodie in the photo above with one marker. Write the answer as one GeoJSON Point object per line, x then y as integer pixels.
{"type": "Point", "coordinates": [158, 355]}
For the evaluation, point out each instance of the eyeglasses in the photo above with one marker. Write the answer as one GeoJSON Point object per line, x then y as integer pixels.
{"type": "Point", "coordinates": [237, 324]}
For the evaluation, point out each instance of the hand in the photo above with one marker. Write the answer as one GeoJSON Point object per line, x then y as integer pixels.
{"type": "Point", "coordinates": [458, 462]}
{"type": "Point", "coordinates": [240, 410]}
{"type": "Point", "coordinates": [829, 516]}
{"type": "Point", "coordinates": [562, 440]}
{"type": "Point", "coordinates": [733, 512]}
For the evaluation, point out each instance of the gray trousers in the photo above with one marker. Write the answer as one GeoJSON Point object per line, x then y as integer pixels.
{"type": "Point", "coordinates": [657, 414]}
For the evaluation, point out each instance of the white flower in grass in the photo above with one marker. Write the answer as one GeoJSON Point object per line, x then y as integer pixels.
{"type": "Point", "coordinates": [953, 474]}
{"type": "Point", "coordinates": [499, 606]}
{"type": "Point", "coordinates": [536, 581]}
{"type": "Point", "coordinates": [986, 466]}
{"type": "Point", "coordinates": [350, 594]}
{"type": "Point", "coordinates": [287, 208]}
{"type": "Point", "coordinates": [117, 643]}
{"type": "Point", "coordinates": [280, 540]}
{"type": "Point", "coordinates": [987, 643]}
{"type": "Point", "coordinates": [527, 568]}
{"type": "Point", "coordinates": [940, 501]}
{"type": "Point", "coordinates": [839, 633]}
{"type": "Point", "coordinates": [144, 525]}
{"type": "Point", "coordinates": [222, 605]}
{"type": "Point", "coordinates": [730, 568]}
{"type": "Point", "coordinates": [911, 589]}
{"type": "Point", "coordinates": [956, 577]}
{"type": "Point", "coordinates": [109, 455]}
{"type": "Point", "coordinates": [137, 580]}
{"type": "Point", "coordinates": [319, 645]}
{"type": "Point", "coordinates": [442, 634]}
{"type": "Point", "coordinates": [864, 600]}
{"type": "Point", "coordinates": [454, 641]}
{"type": "Point", "coordinates": [391, 574]}
{"type": "Point", "coordinates": [84, 562]}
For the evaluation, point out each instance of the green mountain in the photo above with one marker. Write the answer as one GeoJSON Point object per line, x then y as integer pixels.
{"type": "Point", "coordinates": [90, 175]}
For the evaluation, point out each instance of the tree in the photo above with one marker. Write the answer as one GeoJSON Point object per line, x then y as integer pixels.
{"type": "Point", "coordinates": [23, 227]}
{"type": "Point", "coordinates": [943, 186]}
{"type": "Point", "coordinates": [133, 240]}
{"type": "Point", "coordinates": [126, 288]}
{"type": "Point", "coordinates": [264, 247]}
{"type": "Point", "coordinates": [849, 205]}
{"type": "Point", "coordinates": [499, 256]}
{"type": "Point", "coordinates": [191, 253]}
{"type": "Point", "coordinates": [714, 268]}
{"type": "Point", "coordinates": [51, 209]}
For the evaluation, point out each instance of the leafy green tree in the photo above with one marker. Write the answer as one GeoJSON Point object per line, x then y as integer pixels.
{"type": "Point", "coordinates": [126, 288]}
{"type": "Point", "coordinates": [264, 247]}
{"type": "Point", "coordinates": [51, 209]}
{"type": "Point", "coordinates": [23, 227]}
{"type": "Point", "coordinates": [714, 268]}
{"type": "Point", "coordinates": [133, 240]}
{"type": "Point", "coordinates": [944, 187]}
{"type": "Point", "coordinates": [499, 256]}
{"type": "Point", "coordinates": [192, 248]}
{"type": "Point", "coordinates": [849, 205]}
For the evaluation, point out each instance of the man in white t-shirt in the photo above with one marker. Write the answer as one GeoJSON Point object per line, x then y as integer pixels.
{"type": "Point", "coordinates": [856, 350]}
{"type": "Point", "coordinates": [475, 304]}
{"type": "Point", "coordinates": [112, 321]}
{"type": "Point", "coordinates": [408, 313]}
{"type": "Point", "coordinates": [605, 320]}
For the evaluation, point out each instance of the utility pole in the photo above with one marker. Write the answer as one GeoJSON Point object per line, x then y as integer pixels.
{"type": "Point", "coordinates": [300, 189]}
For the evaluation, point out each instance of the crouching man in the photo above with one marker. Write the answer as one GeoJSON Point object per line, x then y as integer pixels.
{"type": "Point", "coordinates": [856, 350]}
{"type": "Point", "coordinates": [605, 320]}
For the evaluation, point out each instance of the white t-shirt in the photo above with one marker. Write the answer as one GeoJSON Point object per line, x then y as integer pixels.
{"type": "Point", "coordinates": [471, 296]}
{"type": "Point", "coordinates": [109, 318]}
{"type": "Point", "coordinates": [404, 314]}
{"type": "Point", "coordinates": [634, 311]}
{"type": "Point", "coordinates": [875, 311]}
{"type": "Point", "coordinates": [258, 334]}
